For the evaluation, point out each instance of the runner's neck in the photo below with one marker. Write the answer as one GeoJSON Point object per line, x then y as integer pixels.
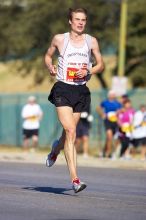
{"type": "Point", "coordinates": [76, 37]}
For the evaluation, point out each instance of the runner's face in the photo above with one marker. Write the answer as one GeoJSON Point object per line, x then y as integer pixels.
{"type": "Point", "coordinates": [78, 22]}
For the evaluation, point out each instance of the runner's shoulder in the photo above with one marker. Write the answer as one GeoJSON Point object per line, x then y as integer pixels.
{"type": "Point", "coordinates": [94, 40]}
{"type": "Point", "coordinates": [58, 38]}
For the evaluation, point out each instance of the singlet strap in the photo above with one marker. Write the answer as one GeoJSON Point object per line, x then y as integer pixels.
{"type": "Point", "coordinates": [66, 41]}
{"type": "Point", "coordinates": [88, 41]}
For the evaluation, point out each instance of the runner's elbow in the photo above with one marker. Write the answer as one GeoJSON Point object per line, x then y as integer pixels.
{"type": "Point", "coordinates": [101, 67]}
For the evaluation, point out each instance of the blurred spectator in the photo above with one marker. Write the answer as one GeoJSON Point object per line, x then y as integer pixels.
{"type": "Point", "coordinates": [139, 131]}
{"type": "Point", "coordinates": [82, 133]}
{"type": "Point", "coordinates": [117, 145]}
{"type": "Point", "coordinates": [31, 114]}
{"type": "Point", "coordinates": [124, 98]}
{"type": "Point", "coordinates": [125, 120]}
{"type": "Point", "coordinates": [108, 112]}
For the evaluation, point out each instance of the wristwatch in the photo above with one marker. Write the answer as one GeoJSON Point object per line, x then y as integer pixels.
{"type": "Point", "coordinates": [88, 76]}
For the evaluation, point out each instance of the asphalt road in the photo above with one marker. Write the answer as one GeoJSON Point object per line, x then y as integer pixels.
{"type": "Point", "coordinates": [34, 192]}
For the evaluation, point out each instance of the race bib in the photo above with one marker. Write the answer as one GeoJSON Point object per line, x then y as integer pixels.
{"type": "Point", "coordinates": [112, 116]}
{"type": "Point", "coordinates": [71, 75]}
{"type": "Point", "coordinates": [143, 123]}
{"type": "Point", "coordinates": [33, 118]}
{"type": "Point", "coordinates": [126, 127]}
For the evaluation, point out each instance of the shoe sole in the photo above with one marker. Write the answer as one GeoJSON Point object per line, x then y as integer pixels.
{"type": "Point", "coordinates": [83, 186]}
{"type": "Point", "coordinates": [47, 164]}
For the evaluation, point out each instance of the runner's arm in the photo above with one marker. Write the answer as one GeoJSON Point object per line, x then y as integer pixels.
{"type": "Point", "coordinates": [99, 67]}
{"type": "Point", "coordinates": [49, 55]}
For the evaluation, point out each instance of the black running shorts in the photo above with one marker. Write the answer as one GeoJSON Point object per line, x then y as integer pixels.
{"type": "Point", "coordinates": [139, 142]}
{"type": "Point", "coordinates": [82, 129]}
{"type": "Point", "coordinates": [28, 133]}
{"type": "Point", "coordinates": [75, 96]}
{"type": "Point", "coordinates": [111, 126]}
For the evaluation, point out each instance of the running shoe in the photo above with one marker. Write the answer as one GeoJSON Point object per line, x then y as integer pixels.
{"type": "Point", "coordinates": [78, 186]}
{"type": "Point", "coordinates": [52, 157]}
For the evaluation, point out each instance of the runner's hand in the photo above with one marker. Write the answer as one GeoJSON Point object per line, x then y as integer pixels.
{"type": "Point", "coordinates": [53, 70]}
{"type": "Point", "coordinates": [81, 73]}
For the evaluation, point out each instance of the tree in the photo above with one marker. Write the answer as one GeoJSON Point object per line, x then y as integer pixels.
{"type": "Point", "coordinates": [27, 26]}
{"type": "Point", "coordinates": [136, 45]}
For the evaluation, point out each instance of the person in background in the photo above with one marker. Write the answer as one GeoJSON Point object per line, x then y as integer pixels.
{"type": "Point", "coordinates": [108, 111]}
{"type": "Point", "coordinates": [125, 122]}
{"type": "Point", "coordinates": [117, 145]}
{"type": "Point", "coordinates": [82, 133]}
{"type": "Point", "coordinates": [31, 115]}
{"type": "Point", "coordinates": [139, 130]}
{"type": "Point", "coordinates": [123, 98]}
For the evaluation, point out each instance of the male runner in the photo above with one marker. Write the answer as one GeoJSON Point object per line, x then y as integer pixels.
{"type": "Point", "coordinates": [70, 95]}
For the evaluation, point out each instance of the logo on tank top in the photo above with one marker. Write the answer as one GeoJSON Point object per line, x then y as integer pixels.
{"type": "Point", "coordinates": [77, 54]}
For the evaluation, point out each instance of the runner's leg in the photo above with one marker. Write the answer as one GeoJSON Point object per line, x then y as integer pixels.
{"type": "Point", "coordinates": [69, 120]}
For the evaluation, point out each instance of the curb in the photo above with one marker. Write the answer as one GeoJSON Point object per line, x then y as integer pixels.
{"type": "Point", "coordinates": [40, 158]}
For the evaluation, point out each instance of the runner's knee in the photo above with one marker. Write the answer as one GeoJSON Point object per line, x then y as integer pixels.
{"type": "Point", "coordinates": [70, 132]}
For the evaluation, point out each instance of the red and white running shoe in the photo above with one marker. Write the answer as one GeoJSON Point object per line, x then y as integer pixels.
{"type": "Point", "coordinates": [77, 185]}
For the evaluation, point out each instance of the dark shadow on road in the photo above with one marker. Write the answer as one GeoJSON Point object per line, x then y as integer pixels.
{"type": "Point", "coordinates": [49, 190]}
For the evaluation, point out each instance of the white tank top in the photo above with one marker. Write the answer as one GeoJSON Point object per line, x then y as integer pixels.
{"type": "Point", "coordinates": [72, 59]}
